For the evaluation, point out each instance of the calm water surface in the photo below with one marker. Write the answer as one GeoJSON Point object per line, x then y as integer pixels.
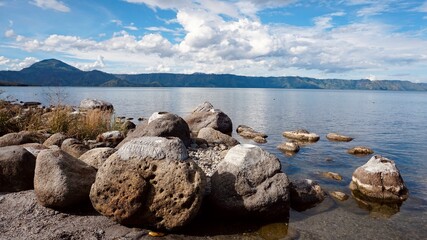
{"type": "Point", "coordinates": [393, 124]}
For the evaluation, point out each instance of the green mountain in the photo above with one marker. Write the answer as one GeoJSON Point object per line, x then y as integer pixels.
{"type": "Point", "coordinates": [52, 72]}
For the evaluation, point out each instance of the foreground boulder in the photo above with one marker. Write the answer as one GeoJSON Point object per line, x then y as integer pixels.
{"type": "Point", "coordinates": [136, 190]}
{"type": "Point", "coordinates": [360, 150]}
{"type": "Point", "coordinates": [74, 147]}
{"type": "Point", "coordinates": [249, 183]}
{"type": "Point", "coordinates": [97, 156]}
{"type": "Point", "coordinates": [19, 138]}
{"type": "Point", "coordinates": [34, 148]}
{"type": "Point", "coordinates": [60, 180]}
{"type": "Point", "coordinates": [16, 169]}
{"type": "Point", "coordinates": [338, 137]}
{"type": "Point", "coordinates": [55, 139]}
{"type": "Point", "coordinates": [305, 194]}
{"type": "Point", "coordinates": [89, 104]}
{"type": "Point", "coordinates": [379, 180]}
{"type": "Point", "coordinates": [301, 135]}
{"type": "Point", "coordinates": [161, 124]}
{"type": "Point", "coordinates": [213, 136]}
{"type": "Point", "coordinates": [205, 115]}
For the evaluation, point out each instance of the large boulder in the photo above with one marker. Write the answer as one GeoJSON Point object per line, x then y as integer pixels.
{"type": "Point", "coordinates": [19, 138]}
{"type": "Point", "coordinates": [206, 116]}
{"type": "Point", "coordinates": [60, 180]}
{"type": "Point", "coordinates": [137, 190]}
{"type": "Point", "coordinates": [55, 139]}
{"type": "Point", "coordinates": [161, 124]}
{"type": "Point", "coordinates": [88, 104]}
{"type": "Point", "coordinates": [16, 169]}
{"type": "Point", "coordinates": [97, 156]}
{"type": "Point", "coordinates": [34, 148]}
{"type": "Point", "coordinates": [305, 194]}
{"type": "Point", "coordinates": [213, 136]}
{"type": "Point", "coordinates": [379, 180]}
{"type": "Point", "coordinates": [74, 147]}
{"type": "Point", "coordinates": [249, 183]}
{"type": "Point", "coordinates": [301, 135]}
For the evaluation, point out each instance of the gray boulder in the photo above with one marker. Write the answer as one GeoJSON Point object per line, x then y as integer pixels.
{"type": "Point", "coordinates": [249, 183]}
{"type": "Point", "coordinates": [205, 116]}
{"type": "Point", "coordinates": [97, 156]}
{"type": "Point", "coordinates": [154, 148]}
{"type": "Point", "coordinates": [74, 147]}
{"type": "Point", "coordinates": [19, 138]}
{"type": "Point", "coordinates": [213, 136]}
{"type": "Point", "coordinates": [88, 104]}
{"type": "Point", "coordinates": [60, 180]}
{"type": "Point", "coordinates": [379, 180]}
{"type": "Point", "coordinates": [301, 135]}
{"type": "Point", "coordinates": [305, 194]}
{"type": "Point", "coordinates": [55, 139]}
{"type": "Point", "coordinates": [16, 169]}
{"type": "Point", "coordinates": [162, 124]}
{"type": "Point", "coordinates": [161, 194]}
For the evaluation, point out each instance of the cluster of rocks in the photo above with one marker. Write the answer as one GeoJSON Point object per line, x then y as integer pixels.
{"type": "Point", "coordinates": [159, 175]}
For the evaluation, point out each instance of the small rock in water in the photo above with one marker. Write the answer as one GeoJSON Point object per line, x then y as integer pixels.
{"type": "Point", "coordinates": [289, 147]}
{"type": "Point", "coordinates": [360, 150]}
{"type": "Point", "coordinates": [338, 137]}
{"type": "Point", "coordinates": [259, 139]}
{"type": "Point", "coordinates": [339, 195]}
{"type": "Point", "coordinates": [332, 175]}
{"type": "Point", "coordinates": [302, 135]}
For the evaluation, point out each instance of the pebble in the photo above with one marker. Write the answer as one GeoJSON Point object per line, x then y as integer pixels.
{"type": "Point", "coordinates": [208, 158]}
{"type": "Point", "coordinates": [339, 195]}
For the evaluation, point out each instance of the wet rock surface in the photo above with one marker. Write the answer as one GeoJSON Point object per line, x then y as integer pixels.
{"type": "Point", "coordinates": [301, 135]}
{"type": "Point", "coordinates": [289, 147]}
{"type": "Point", "coordinates": [248, 132]}
{"type": "Point", "coordinates": [339, 195]}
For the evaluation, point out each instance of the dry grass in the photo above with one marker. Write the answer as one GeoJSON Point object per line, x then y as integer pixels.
{"type": "Point", "coordinates": [91, 123]}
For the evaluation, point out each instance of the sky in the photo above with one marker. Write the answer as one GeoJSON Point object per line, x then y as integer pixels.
{"type": "Point", "coordinates": [345, 39]}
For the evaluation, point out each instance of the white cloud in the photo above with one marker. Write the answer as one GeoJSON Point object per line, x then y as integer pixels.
{"type": "Point", "coordinates": [159, 68]}
{"type": "Point", "coordinates": [98, 64]}
{"type": "Point", "coordinates": [51, 4]}
{"type": "Point", "coordinates": [131, 27]}
{"type": "Point", "coordinates": [16, 64]}
{"type": "Point", "coordinates": [4, 60]}
{"type": "Point", "coordinates": [160, 29]}
{"type": "Point", "coordinates": [422, 7]}
{"type": "Point", "coordinates": [9, 33]}
{"type": "Point", "coordinates": [371, 77]}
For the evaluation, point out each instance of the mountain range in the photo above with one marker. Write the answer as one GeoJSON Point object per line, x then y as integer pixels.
{"type": "Point", "coordinates": [52, 72]}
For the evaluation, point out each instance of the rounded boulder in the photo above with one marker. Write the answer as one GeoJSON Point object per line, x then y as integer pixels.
{"type": "Point", "coordinates": [16, 169]}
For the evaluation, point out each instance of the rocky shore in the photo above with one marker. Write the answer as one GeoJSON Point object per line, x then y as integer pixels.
{"type": "Point", "coordinates": [165, 176]}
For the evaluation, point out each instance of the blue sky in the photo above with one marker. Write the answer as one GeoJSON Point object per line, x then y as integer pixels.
{"type": "Point", "coordinates": [349, 39]}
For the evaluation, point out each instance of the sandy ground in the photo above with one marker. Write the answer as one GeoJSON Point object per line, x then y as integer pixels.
{"type": "Point", "coordinates": [22, 218]}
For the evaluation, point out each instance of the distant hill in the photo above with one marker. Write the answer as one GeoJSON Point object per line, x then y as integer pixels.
{"type": "Point", "coordinates": [52, 72]}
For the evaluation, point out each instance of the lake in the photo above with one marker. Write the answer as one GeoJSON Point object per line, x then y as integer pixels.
{"type": "Point", "coordinates": [393, 124]}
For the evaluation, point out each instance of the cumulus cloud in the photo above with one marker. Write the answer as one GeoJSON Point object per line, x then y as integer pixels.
{"type": "Point", "coordinates": [16, 64]}
{"type": "Point", "coordinates": [98, 64]}
{"type": "Point", "coordinates": [9, 33]}
{"type": "Point", "coordinates": [51, 4]}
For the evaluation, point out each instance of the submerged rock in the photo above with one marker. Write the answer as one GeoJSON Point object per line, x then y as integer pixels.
{"type": "Point", "coordinates": [88, 104]}
{"type": "Point", "coordinates": [249, 183]}
{"type": "Point", "coordinates": [289, 147]}
{"type": "Point", "coordinates": [305, 194]}
{"type": "Point", "coordinates": [206, 116]}
{"type": "Point", "coordinates": [16, 169]}
{"type": "Point", "coordinates": [60, 180]}
{"type": "Point", "coordinates": [339, 195]}
{"type": "Point", "coordinates": [360, 150]}
{"type": "Point", "coordinates": [332, 175]}
{"type": "Point", "coordinates": [301, 135]}
{"type": "Point", "coordinates": [338, 138]}
{"type": "Point", "coordinates": [379, 180]}
{"type": "Point", "coordinates": [161, 194]}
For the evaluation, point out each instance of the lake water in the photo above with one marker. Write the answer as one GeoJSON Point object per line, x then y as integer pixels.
{"type": "Point", "coordinates": [393, 124]}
